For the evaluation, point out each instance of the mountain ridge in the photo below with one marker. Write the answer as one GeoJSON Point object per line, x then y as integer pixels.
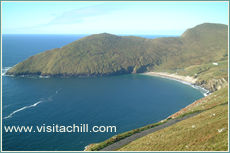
{"type": "Point", "coordinates": [108, 54]}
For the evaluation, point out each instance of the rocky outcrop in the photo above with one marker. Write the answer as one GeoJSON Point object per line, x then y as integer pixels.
{"type": "Point", "coordinates": [212, 84]}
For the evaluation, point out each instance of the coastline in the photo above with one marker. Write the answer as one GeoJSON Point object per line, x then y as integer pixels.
{"type": "Point", "coordinates": [182, 79]}
{"type": "Point", "coordinates": [188, 80]}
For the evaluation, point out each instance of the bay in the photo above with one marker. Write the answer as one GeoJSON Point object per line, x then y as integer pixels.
{"type": "Point", "coordinates": [125, 101]}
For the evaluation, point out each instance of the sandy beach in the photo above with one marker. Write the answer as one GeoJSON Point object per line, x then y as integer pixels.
{"type": "Point", "coordinates": [183, 79]}
{"type": "Point", "coordinates": [187, 79]}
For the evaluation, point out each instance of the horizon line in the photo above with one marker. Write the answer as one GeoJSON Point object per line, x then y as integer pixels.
{"type": "Point", "coordinates": [83, 34]}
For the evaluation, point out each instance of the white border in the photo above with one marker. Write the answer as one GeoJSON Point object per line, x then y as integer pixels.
{"type": "Point", "coordinates": [114, 2]}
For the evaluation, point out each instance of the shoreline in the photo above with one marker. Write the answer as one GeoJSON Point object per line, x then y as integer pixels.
{"type": "Point", "coordinates": [182, 79]}
{"type": "Point", "coordinates": [188, 80]}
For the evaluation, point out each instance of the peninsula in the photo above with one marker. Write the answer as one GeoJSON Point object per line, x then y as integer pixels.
{"type": "Point", "coordinates": [107, 54]}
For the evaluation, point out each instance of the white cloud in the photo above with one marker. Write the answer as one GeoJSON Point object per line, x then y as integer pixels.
{"type": "Point", "coordinates": [78, 15]}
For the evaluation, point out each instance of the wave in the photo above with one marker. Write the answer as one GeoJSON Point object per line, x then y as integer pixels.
{"type": "Point", "coordinates": [57, 91]}
{"type": "Point", "coordinates": [23, 108]}
{"type": "Point", "coordinates": [44, 76]}
{"type": "Point", "coordinates": [4, 70]}
{"type": "Point", "coordinates": [50, 98]}
{"type": "Point", "coordinates": [204, 91]}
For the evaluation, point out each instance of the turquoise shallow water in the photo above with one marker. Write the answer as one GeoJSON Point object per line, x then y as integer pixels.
{"type": "Point", "coordinates": [126, 101]}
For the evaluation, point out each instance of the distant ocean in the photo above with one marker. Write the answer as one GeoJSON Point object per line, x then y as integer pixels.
{"type": "Point", "coordinates": [126, 101]}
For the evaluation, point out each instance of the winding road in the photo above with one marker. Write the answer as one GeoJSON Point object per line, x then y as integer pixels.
{"type": "Point", "coordinates": [117, 145]}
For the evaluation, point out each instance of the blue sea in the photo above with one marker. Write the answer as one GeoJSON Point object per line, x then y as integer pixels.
{"type": "Point", "coordinates": [125, 101]}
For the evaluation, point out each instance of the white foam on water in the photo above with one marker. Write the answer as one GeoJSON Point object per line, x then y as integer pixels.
{"type": "Point", "coordinates": [23, 108]}
{"type": "Point", "coordinates": [57, 91]}
{"type": "Point", "coordinates": [4, 70]}
{"type": "Point", "coordinates": [50, 98]}
{"type": "Point", "coordinates": [44, 77]}
{"type": "Point", "coordinates": [204, 91]}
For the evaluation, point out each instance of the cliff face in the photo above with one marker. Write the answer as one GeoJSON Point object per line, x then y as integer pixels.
{"type": "Point", "coordinates": [106, 54]}
{"type": "Point", "coordinates": [213, 84]}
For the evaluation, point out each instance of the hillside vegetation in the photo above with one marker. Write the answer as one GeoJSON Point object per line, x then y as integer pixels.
{"type": "Point", "coordinates": [106, 54]}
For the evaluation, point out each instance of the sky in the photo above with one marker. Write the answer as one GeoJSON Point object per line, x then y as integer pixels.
{"type": "Point", "coordinates": [149, 18]}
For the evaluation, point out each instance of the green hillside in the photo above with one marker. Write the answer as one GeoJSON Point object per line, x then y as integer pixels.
{"type": "Point", "coordinates": [106, 54]}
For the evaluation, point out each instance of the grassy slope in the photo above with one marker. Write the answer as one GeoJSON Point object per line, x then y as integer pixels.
{"type": "Point", "coordinates": [197, 133]}
{"type": "Point", "coordinates": [209, 76]}
{"type": "Point", "coordinates": [202, 44]}
{"type": "Point", "coordinates": [106, 54]}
